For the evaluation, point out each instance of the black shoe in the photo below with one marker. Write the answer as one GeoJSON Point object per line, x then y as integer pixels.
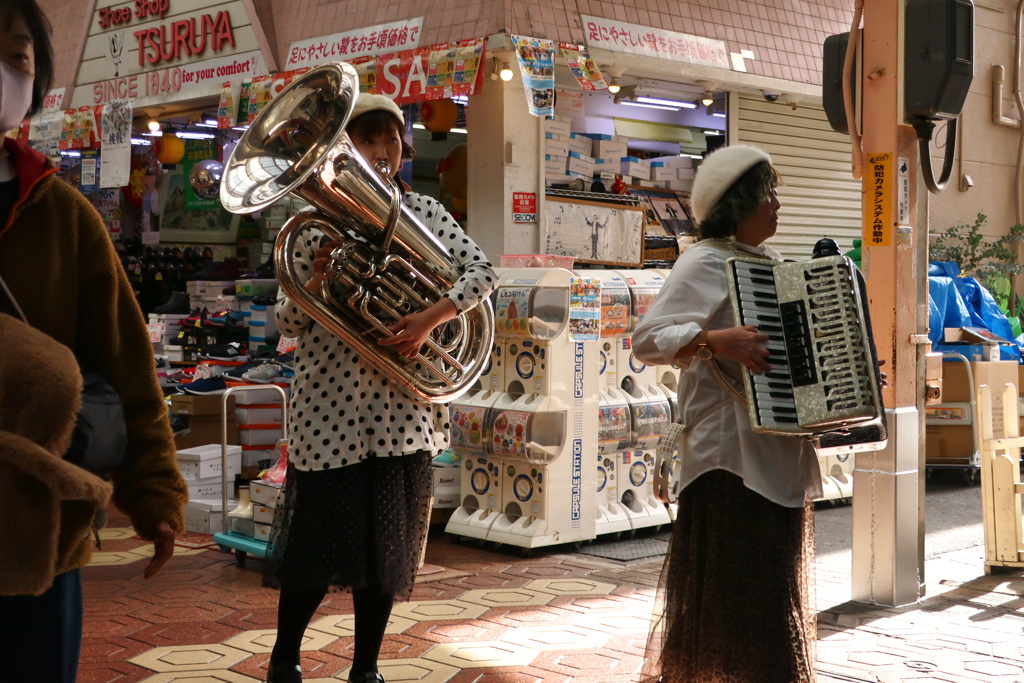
{"type": "Point", "coordinates": [264, 300]}
{"type": "Point", "coordinates": [178, 303]}
{"type": "Point", "coordinates": [367, 678]}
{"type": "Point", "coordinates": [284, 673]}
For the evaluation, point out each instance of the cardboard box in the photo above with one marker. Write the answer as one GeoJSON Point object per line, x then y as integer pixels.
{"type": "Point", "coordinates": [259, 414]}
{"type": "Point", "coordinates": [204, 430]}
{"type": "Point", "coordinates": [206, 516]}
{"type": "Point", "coordinates": [580, 163]}
{"type": "Point", "coordinates": [685, 173]}
{"type": "Point", "coordinates": [659, 171]}
{"type": "Point", "coordinates": [242, 525]}
{"type": "Point", "coordinates": [949, 444]}
{"type": "Point", "coordinates": [446, 479]}
{"type": "Point", "coordinates": [446, 500]}
{"type": "Point", "coordinates": [640, 170]}
{"type": "Point", "coordinates": [204, 462]}
{"type": "Point", "coordinates": [610, 149]}
{"type": "Point", "coordinates": [256, 287]}
{"type": "Point", "coordinates": [559, 147]}
{"type": "Point", "coordinates": [263, 514]}
{"type": "Point", "coordinates": [259, 434]}
{"type": "Point", "coordinates": [949, 414]}
{"type": "Point", "coordinates": [557, 127]}
{"type": "Point", "coordinates": [556, 167]}
{"type": "Point", "coordinates": [680, 185]}
{"type": "Point", "coordinates": [210, 404]}
{"type": "Point", "coordinates": [263, 493]}
{"type": "Point", "coordinates": [258, 396]}
{"type": "Point", "coordinates": [261, 532]}
{"type": "Point", "coordinates": [205, 489]}
{"type": "Point", "coordinates": [580, 144]}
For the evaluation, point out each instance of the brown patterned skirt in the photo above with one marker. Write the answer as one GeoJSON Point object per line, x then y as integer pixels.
{"type": "Point", "coordinates": [736, 590]}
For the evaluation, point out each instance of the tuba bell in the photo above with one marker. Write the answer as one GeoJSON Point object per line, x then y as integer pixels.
{"type": "Point", "coordinates": [387, 263]}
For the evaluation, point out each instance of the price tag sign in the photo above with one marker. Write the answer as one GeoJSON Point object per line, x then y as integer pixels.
{"type": "Point", "coordinates": [202, 372]}
{"type": "Point", "coordinates": [285, 344]}
{"type": "Point", "coordinates": [524, 207]}
{"type": "Point", "coordinates": [156, 332]}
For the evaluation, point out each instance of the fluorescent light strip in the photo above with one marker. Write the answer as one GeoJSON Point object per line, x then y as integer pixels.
{"type": "Point", "coordinates": [71, 153]}
{"type": "Point", "coordinates": [676, 104]}
{"type": "Point", "coordinates": [712, 132]}
{"type": "Point", "coordinates": [185, 135]}
{"type": "Point", "coordinates": [649, 106]}
{"type": "Point", "coordinates": [719, 115]}
{"type": "Point", "coordinates": [420, 126]}
{"type": "Point", "coordinates": [140, 141]}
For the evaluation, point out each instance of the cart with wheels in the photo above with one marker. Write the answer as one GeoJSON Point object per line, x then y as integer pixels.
{"type": "Point", "coordinates": [969, 465]}
{"type": "Point", "coordinates": [229, 541]}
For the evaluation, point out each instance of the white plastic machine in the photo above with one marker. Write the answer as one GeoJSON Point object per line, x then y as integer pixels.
{"type": "Point", "coordinates": [541, 429]}
{"type": "Point", "coordinates": [651, 409]}
{"type": "Point", "coordinates": [615, 420]}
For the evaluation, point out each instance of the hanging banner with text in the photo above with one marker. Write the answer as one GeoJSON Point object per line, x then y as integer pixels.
{"type": "Point", "coordinates": [342, 47]}
{"type": "Point", "coordinates": [116, 143]}
{"type": "Point", "coordinates": [537, 64]}
{"type": "Point", "coordinates": [878, 217]}
{"type": "Point", "coordinates": [647, 41]}
{"type": "Point", "coordinates": [582, 67]}
{"type": "Point", "coordinates": [157, 51]}
{"type": "Point", "coordinates": [431, 73]}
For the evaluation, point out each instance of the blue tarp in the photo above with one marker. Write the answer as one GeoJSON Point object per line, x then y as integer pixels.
{"type": "Point", "coordinates": [955, 301]}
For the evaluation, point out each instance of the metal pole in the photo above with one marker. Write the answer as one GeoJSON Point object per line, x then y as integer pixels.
{"type": "Point", "coordinates": [888, 568]}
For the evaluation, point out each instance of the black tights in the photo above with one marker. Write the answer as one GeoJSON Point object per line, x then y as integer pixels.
{"type": "Point", "coordinates": [295, 610]}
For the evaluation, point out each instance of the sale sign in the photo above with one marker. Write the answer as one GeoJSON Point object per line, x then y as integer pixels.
{"type": "Point", "coordinates": [431, 73]}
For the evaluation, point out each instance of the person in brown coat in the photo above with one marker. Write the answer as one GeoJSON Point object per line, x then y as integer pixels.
{"type": "Point", "coordinates": [62, 272]}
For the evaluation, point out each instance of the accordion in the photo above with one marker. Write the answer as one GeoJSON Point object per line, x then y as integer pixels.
{"type": "Point", "coordinates": [824, 379]}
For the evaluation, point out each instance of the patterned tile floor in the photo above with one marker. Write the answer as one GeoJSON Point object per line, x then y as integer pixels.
{"type": "Point", "coordinates": [496, 617]}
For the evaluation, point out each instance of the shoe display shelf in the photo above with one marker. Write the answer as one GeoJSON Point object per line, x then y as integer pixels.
{"type": "Point", "coordinates": [261, 494]}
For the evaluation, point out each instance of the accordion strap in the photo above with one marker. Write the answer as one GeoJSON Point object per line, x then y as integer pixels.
{"type": "Point", "coordinates": [716, 369]}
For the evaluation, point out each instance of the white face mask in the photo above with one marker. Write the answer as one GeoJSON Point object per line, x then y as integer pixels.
{"type": "Point", "coordinates": [15, 97]}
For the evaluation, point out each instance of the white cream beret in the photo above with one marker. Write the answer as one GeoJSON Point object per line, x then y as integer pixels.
{"type": "Point", "coordinates": [718, 172]}
{"type": "Point", "coordinates": [367, 103]}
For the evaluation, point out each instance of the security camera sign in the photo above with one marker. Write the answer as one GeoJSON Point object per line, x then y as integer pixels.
{"type": "Point", "coordinates": [878, 218]}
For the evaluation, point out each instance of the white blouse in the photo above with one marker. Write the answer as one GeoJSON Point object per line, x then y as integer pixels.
{"type": "Point", "coordinates": [783, 469]}
{"type": "Point", "coordinates": [343, 409]}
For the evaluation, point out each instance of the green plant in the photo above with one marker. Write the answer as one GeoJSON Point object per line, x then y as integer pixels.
{"type": "Point", "coordinates": [991, 260]}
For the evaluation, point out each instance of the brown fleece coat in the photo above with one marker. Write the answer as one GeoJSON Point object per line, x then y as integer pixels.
{"type": "Point", "coordinates": [59, 262]}
{"type": "Point", "coordinates": [40, 391]}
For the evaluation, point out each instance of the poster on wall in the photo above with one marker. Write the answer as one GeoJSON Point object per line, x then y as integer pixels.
{"type": "Point", "coordinates": [436, 72]}
{"type": "Point", "coordinates": [116, 147]}
{"type": "Point", "coordinates": [584, 309]}
{"type": "Point", "coordinates": [582, 67]}
{"type": "Point", "coordinates": [179, 225]}
{"type": "Point", "coordinates": [89, 183]}
{"type": "Point", "coordinates": [196, 151]}
{"type": "Point", "coordinates": [536, 58]}
{"type": "Point", "coordinates": [108, 202]}
{"type": "Point", "coordinates": [569, 103]}
{"type": "Point", "coordinates": [592, 232]}
{"type": "Point", "coordinates": [667, 209]}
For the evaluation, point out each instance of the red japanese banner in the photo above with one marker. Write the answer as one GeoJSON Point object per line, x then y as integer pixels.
{"type": "Point", "coordinates": [430, 73]}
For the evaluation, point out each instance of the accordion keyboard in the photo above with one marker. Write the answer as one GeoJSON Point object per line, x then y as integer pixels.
{"type": "Point", "coordinates": [823, 373]}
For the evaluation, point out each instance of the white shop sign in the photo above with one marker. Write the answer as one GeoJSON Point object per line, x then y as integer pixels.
{"type": "Point", "coordinates": [648, 41]}
{"type": "Point", "coordinates": [369, 40]}
{"type": "Point", "coordinates": [157, 51]}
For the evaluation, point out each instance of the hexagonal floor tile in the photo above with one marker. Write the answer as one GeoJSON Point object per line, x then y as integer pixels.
{"type": "Point", "coordinates": [614, 623]}
{"type": "Point", "coordinates": [506, 597]}
{"type": "Point", "coordinates": [147, 551]}
{"type": "Point", "coordinates": [410, 671]}
{"type": "Point", "coordinates": [589, 663]}
{"type": "Point", "coordinates": [111, 559]}
{"type": "Point", "coordinates": [200, 677]}
{"type": "Point", "coordinates": [436, 610]}
{"type": "Point", "coordinates": [991, 668]}
{"type": "Point", "coordinates": [177, 658]}
{"type": "Point", "coordinates": [556, 637]}
{"type": "Point", "coordinates": [343, 625]}
{"type": "Point", "coordinates": [256, 642]}
{"type": "Point", "coordinates": [457, 631]}
{"type": "Point", "coordinates": [479, 655]}
{"type": "Point", "coordinates": [571, 586]}
{"type": "Point", "coordinates": [116, 533]}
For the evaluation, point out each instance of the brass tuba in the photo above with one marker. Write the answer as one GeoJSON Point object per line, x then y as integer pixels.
{"type": "Point", "coordinates": [387, 263]}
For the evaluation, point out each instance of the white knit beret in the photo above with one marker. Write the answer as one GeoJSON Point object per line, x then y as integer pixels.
{"type": "Point", "coordinates": [718, 172]}
{"type": "Point", "coordinates": [366, 103]}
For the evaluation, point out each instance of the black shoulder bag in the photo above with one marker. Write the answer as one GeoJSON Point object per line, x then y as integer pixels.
{"type": "Point", "coordinates": [100, 441]}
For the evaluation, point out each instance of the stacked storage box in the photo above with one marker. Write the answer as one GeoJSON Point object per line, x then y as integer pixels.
{"type": "Point", "coordinates": [676, 171]}
{"type": "Point", "coordinates": [166, 346]}
{"type": "Point", "coordinates": [447, 486]}
{"type": "Point", "coordinates": [262, 324]}
{"type": "Point", "coordinates": [201, 467]}
{"type": "Point", "coordinates": [608, 153]}
{"type": "Point", "coordinates": [207, 294]}
{"type": "Point", "coordinates": [259, 415]}
{"type": "Point", "coordinates": [638, 169]}
{"type": "Point", "coordinates": [556, 148]}
{"type": "Point", "coordinates": [266, 498]}
{"type": "Point", "coordinates": [204, 420]}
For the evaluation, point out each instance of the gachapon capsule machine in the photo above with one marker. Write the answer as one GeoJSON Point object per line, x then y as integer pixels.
{"type": "Point", "coordinates": [650, 408]}
{"type": "Point", "coordinates": [543, 428]}
{"type": "Point", "coordinates": [615, 417]}
{"type": "Point", "coordinates": [480, 500]}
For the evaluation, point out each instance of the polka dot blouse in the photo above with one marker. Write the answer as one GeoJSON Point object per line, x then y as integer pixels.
{"type": "Point", "coordinates": [343, 409]}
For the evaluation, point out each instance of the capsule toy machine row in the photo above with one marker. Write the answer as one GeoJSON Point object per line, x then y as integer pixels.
{"type": "Point", "coordinates": [615, 417]}
{"type": "Point", "coordinates": [651, 410]}
{"type": "Point", "coordinates": [542, 427]}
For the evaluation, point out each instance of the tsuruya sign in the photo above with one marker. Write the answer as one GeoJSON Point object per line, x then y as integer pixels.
{"type": "Point", "coordinates": [157, 51]}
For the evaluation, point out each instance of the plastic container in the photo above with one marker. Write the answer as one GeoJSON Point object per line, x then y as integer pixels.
{"type": "Point", "coordinates": [537, 261]}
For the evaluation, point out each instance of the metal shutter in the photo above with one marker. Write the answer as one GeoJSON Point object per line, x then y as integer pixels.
{"type": "Point", "coordinates": [819, 196]}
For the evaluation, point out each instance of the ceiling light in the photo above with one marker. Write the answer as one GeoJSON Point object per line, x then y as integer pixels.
{"type": "Point", "coordinates": [506, 71]}
{"type": "Point", "coordinates": [208, 123]}
{"type": "Point", "coordinates": [709, 99]}
{"type": "Point", "coordinates": [153, 125]}
{"type": "Point", "coordinates": [712, 132]}
{"type": "Point", "coordinates": [719, 114]}
{"type": "Point", "coordinates": [613, 86]}
{"type": "Point", "coordinates": [140, 141]}
{"type": "Point", "coordinates": [185, 135]}
{"type": "Point", "coordinates": [674, 104]}
{"type": "Point", "coordinates": [649, 106]}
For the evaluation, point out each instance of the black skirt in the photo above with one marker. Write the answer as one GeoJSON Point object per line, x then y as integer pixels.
{"type": "Point", "coordinates": [736, 590]}
{"type": "Point", "coordinates": [356, 526]}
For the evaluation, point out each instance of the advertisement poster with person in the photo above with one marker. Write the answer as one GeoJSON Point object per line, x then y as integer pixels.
{"type": "Point", "coordinates": [584, 309]}
{"type": "Point", "coordinates": [537, 64]}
